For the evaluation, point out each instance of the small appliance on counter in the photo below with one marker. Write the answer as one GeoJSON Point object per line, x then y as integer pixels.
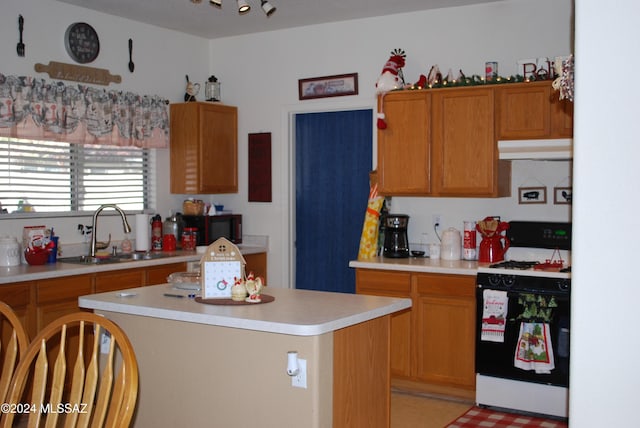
{"type": "Point", "coordinates": [491, 247]}
{"type": "Point", "coordinates": [210, 228]}
{"type": "Point", "coordinates": [396, 242]}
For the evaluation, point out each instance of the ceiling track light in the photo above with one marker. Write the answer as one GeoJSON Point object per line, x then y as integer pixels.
{"type": "Point", "coordinates": [243, 7]}
{"type": "Point", "coordinates": [267, 7]}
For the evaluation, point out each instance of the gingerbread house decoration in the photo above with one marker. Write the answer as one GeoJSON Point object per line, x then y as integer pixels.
{"type": "Point", "coordinates": [220, 266]}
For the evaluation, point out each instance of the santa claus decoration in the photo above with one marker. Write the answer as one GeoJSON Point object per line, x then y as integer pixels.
{"type": "Point", "coordinates": [390, 79]}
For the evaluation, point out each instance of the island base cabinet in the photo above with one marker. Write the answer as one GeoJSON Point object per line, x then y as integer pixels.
{"type": "Point", "coordinates": [199, 375]}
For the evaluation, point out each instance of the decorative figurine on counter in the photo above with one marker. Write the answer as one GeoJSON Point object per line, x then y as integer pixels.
{"type": "Point", "coordinates": [238, 290]}
{"type": "Point", "coordinates": [191, 91]}
{"type": "Point", "coordinates": [253, 286]}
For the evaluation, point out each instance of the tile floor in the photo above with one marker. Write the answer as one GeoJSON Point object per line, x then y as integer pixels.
{"type": "Point", "coordinates": [409, 410]}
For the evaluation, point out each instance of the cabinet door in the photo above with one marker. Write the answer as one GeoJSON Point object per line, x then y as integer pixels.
{"type": "Point", "coordinates": [218, 157]}
{"type": "Point", "coordinates": [404, 154]}
{"type": "Point", "coordinates": [523, 111]}
{"type": "Point", "coordinates": [465, 161]}
{"type": "Point", "coordinates": [392, 284]}
{"type": "Point", "coordinates": [59, 296]}
{"type": "Point", "coordinates": [445, 329]}
{"type": "Point", "coordinates": [18, 297]}
{"type": "Point", "coordinates": [203, 149]}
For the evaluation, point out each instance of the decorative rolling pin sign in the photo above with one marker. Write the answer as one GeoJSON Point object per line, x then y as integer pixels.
{"type": "Point", "coordinates": [77, 73]}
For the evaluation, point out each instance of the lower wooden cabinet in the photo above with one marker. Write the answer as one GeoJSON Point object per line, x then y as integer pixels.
{"type": "Point", "coordinates": [18, 296]}
{"type": "Point", "coordinates": [434, 342]}
{"type": "Point", "coordinates": [445, 329]}
{"type": "Point", "coordinates": [392, 284]}
{"type": "Point", "coordinates": [59, 296]}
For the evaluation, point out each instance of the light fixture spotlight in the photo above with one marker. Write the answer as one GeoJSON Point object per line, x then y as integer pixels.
{"type": "Point", "coordinates": [243, 7]}
{"type": "Point", "coordinates": [216, 3]}
{"type": "Point", "coordinates": [267, 7]}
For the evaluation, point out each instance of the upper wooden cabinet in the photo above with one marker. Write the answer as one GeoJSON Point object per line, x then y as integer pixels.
{"type": "Point", "coordinates": [204, 148]}
{"type": "Point", "coordinates": [532, 111]}
{"type": "Point", "coordinates": [464, 151]}
{"type": "Point", "coordinates": [404, 148]}
{"type": "Point", "coordinates": [440, 142]}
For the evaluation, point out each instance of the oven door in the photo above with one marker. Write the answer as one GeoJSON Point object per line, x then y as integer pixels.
{"type": "Point", "coordinates": [497, 358]}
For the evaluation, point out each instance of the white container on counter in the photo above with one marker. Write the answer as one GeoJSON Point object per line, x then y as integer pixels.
{"type": "Point", "coordinates": [9, 251]}
{"type": "Point", "coordinates": [451, 244]}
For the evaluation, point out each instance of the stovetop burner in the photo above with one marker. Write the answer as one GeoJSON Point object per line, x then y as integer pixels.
{"type": "Point", "coordinates": [514, 264]}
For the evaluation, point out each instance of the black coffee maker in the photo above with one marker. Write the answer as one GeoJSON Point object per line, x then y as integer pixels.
{"type": "Point", "coordinates": [396, 243]}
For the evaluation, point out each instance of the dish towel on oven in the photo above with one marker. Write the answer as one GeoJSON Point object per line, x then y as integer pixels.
{"type": "Point", "coordinates": [534, 350]}
{"type": "Point", "coordinates": [494, 315]}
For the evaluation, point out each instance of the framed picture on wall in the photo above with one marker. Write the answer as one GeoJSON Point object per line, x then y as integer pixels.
{"type": "Point", "coordinates": [328, 86]}
{"type": "Point", "coordinates": [532, 195]}
{"type": "Point", "coordinates": [562, 195]}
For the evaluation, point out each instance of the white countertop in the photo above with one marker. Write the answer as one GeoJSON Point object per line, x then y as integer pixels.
{"type": "Point", "coordinates": [26, 272]}
{"type": "Point", "coordinates": [419, 264]}
{"type": "Point", "coordinates": [293, 312]}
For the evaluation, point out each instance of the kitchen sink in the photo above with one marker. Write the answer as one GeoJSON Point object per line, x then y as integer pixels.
{"type": "Point", "coordinates": [86, 260]}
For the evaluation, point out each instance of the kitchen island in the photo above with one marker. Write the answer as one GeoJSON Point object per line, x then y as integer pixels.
{"type": "Point", "coordinates": [223, 365]}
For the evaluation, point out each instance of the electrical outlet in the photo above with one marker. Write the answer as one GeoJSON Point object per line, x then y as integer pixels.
{"type": "Point", "coordinates": [300, 380]}
{"type": "Point", "coordinates": [436, 220]}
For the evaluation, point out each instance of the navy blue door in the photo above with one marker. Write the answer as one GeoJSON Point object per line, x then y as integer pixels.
{"type": "Point", "coordinates": [333, 161]}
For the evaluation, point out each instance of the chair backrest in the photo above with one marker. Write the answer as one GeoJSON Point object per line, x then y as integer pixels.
{"type": "Point", "coordinates": [13, 344]}
{"type": "Point", "coordinates": [99, 390]}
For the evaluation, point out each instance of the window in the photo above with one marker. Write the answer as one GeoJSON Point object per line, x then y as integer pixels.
{"type": "Point", "coordinates": [62, 177]}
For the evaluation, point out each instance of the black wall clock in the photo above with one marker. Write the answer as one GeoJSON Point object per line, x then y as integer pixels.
{"type": "Point", "coordinates": [81, 42]}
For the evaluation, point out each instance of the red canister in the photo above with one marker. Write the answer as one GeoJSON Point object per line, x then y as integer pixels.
{"type": "Point", "coordinates": [189, 238]}
{"type": "Point", "coordinates": [469, 240]}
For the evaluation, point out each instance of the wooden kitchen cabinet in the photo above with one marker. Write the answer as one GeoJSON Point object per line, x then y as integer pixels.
{"type": "Point", "coordinates": [433, 344]}
{"type": "Point", "coordinates": [532, 111]}
{"type": "Point", "coordinates": [441, 142]}
{"type": "Point", "coordinates": [59, 296]}
{"type": "Point", "coordinates": [445, 329]}
{"type": "Point", "coordinates": [404, 152]}
{"type": "Point", "coordinates": [203, 148]}
{"type": "Point", "coordinates": [392, 284]}
{"type": "Point", "coordinates": [18, 296]}
{"type": "Point", "coordinates": [464, 150]}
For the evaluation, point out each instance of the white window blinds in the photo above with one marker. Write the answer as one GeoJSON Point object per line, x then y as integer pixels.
{"type": "Point", "coordinates": [63, 177]}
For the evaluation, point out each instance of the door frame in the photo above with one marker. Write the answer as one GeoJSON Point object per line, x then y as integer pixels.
{"type": "Point", "coordinates": [289, 221]}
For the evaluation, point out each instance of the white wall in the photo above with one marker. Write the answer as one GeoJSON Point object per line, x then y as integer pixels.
{"type": "Point", "coordinates": [162, 59]}
{"type": "Point", "coordinates": [260, 72]}
{"type": "Point", "coordinates": [604, 371]}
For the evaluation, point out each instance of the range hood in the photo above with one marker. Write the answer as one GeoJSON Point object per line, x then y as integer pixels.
{"type": "Point", "coordinates": [560, 149]}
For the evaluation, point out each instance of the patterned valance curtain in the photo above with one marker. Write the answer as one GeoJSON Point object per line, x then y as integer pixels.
{"type": "Point", "coordinates": [35, 109]}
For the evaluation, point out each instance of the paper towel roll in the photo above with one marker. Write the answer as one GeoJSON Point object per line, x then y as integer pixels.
{"type": "Point", "coordinates": [142, 232]}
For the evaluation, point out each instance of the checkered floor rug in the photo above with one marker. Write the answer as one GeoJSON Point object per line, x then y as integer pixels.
{"type": "Point", "coordinates": [477, 417]}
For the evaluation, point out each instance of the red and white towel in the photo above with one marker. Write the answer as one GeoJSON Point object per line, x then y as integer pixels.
{"type": "Point", "coordinates": [494, 315]}
{"type": "Point", "coordinates": [534, 350]}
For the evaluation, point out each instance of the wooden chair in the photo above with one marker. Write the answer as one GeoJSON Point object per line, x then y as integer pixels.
{"type": "Point", "coordinates": [13, 344]}
{"type": "Point", "coordinates": [98, 352]}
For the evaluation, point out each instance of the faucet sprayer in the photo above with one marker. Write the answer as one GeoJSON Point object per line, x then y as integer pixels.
{"type": "Point", "coordinates": [94, 235]}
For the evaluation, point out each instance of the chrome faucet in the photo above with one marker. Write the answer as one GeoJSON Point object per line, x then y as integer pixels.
{"type": "Point", "coordinates": [94, 234]}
